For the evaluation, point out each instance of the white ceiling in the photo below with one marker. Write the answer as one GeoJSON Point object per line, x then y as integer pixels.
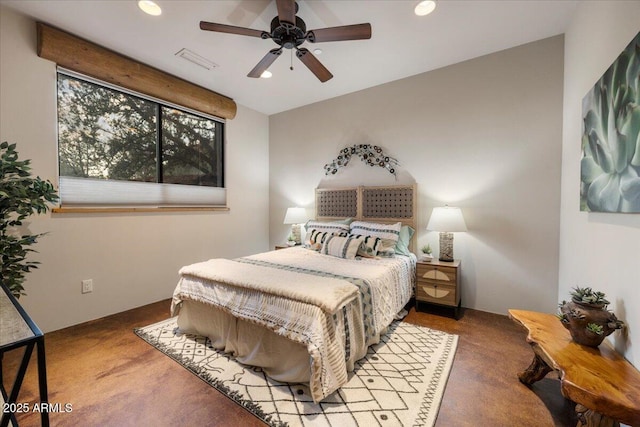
{"type": "Point", "coordinates": [402, 44]}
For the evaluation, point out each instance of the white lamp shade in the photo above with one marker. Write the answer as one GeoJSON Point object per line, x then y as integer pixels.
{"type": "Point", "coordinates": [295, 216]}
{"type": "Point", "coordinates": [447, 219]}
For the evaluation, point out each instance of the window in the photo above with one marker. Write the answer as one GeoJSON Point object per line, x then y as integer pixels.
{"type": "Point", "coordinates": [117, 148]}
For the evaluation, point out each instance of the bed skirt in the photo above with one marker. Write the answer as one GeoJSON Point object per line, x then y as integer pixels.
{"type": "Point", "coordinates": [281, 359]}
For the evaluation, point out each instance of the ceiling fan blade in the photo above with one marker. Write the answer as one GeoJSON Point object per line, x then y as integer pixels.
{"type": "Point", "coordinates": [265, 63]}
{"type": "Point", "coordinates": [286, 11]}
{"type": "Point", "coordinates": [314, 65]}
{"type": "Point", "coordinates": [222, 28]}
{"type": "Point", "coordinates": [345, 32]}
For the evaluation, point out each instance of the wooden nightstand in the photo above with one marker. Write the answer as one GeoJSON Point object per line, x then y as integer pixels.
{"type": "Point", "coordinates": [438, 282]}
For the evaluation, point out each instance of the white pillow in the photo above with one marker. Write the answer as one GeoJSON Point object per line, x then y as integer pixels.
{"type": "Point", "coordinates": [342, 247]}
{"type": "Point", "coordinates": [383, 231]}
{"type": "Point", "coordinates": [328, 227]}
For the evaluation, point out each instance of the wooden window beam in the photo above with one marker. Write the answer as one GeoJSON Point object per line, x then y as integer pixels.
{"type": "Point", "coordinates": [98, 62]}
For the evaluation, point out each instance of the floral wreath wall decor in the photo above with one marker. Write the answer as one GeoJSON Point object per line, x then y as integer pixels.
{"type": "Point", "coordinates": [370, 154]}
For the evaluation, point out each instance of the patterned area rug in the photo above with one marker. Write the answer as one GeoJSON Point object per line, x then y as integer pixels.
{"type": "Point", "coordinates": [399, 383]}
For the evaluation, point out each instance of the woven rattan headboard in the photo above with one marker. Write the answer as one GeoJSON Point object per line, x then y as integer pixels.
{"type": "Point", "coordinates": [386, 204]}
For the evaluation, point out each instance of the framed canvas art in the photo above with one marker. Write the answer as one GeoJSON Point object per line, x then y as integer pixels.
{"type": "Point", "coordinates": [610, 165]}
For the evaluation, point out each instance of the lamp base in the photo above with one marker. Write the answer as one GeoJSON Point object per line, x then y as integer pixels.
{"type": "Point", "coordinates": [446, 247]}
{"type": "Point", "coordinates": [296, 233]}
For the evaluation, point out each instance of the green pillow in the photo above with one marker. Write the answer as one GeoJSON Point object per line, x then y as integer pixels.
{"type": "Point", "coordinates": [402, 246]}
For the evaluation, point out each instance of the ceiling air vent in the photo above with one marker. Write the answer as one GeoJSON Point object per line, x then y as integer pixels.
{"type": "Point", "coordinates": [193, 57]}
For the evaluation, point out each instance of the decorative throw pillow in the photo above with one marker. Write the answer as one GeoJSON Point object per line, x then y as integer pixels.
{"type": "Point", "coordinates": [387, 253]}
{"type": "Point", "coordinates": [341, 247]}
{"type": "Point", "coordinates": [402, 246]}
{"type": "Point", "coordinates": [324, 226]}
{"type": "Point", "coordinates": [389, 234]}
{"type": "Point", "coordinates": [383, 231]}
{"type": "Point", "coordinates": [330, 226]}
{"type": "Point", "coordinates": [369, 246]}
{"type": "Point", "coordinates": [315, 238]}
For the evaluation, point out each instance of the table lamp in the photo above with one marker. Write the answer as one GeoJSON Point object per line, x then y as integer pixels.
{"type": "Point", "coordinates": [295, 217]}
{"type": "Point", "coordinates": [446, 220]}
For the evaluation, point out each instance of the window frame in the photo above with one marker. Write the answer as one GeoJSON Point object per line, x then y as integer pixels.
{"type": "Point", "coordinates": [198, 198]}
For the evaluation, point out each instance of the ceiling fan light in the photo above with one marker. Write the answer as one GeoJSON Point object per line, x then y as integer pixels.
{"type": "Point", "coordinates": [149, 7]}
{"type": "Point", "coordinates": [425, 7]}
{"type": "Point", "coordinates": [266, 74]}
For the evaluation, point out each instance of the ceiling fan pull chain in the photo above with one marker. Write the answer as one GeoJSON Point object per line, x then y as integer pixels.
{"type": "Point", "coordinates": [291, 66]}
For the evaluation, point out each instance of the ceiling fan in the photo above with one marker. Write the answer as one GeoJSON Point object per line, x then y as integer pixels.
{"type": "Point", "coordinates": [290, 31]}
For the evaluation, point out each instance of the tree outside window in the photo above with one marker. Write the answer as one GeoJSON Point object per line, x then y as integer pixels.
{"type": "Point", "coordinates": [105, 134]}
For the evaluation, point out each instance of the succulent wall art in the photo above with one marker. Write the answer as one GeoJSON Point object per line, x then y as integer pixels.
{"type": "Point", "coordinates": [372, 155]}
{"type": "Point", "coordinates": [610, 165]}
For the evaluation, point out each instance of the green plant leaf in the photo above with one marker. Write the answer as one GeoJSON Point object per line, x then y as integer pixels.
{"type": "Point", "coordinates": [600, 155]}
{"type": "Point", "coordinates": [589, 170]}
{"type": "Point", "coordinates": [21, 196]}
{"type": "Point", "coordinates": [603, 193]}
{"type": "Point", "coordinates": [630, 186]}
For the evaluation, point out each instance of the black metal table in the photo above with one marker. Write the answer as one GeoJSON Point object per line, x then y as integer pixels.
{"type": "Point", "coordinates": [18, 330]}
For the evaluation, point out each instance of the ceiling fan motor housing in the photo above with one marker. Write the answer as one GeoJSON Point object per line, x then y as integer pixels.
{"type": "Point", "coordinates": [287, 35]}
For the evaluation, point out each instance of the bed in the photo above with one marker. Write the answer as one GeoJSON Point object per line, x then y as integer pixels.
{"type": "Point", "coordinates": [306, 314]}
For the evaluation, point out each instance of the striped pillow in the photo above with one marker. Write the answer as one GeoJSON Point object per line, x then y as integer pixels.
{"type": "Point", "coordinates": [330, 226]}
{"type": "Point", "coordinates": [341, 247]}
{"type": "Point", "coordinates": [369, 246]}
{"type": "Point", "coordinates": [315, 238]}
{"type": "Point", "coordinates": [383, 231]}
{"type": "Point", "coordinates": [388, 234]}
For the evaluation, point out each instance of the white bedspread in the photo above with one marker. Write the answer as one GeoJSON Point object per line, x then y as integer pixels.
{"type": "Point", "coordinates": [325, 292]}
{"type": "Point", "coordinates": [317, 300]}
{"type": "Point", "coordinates": [390, 279]}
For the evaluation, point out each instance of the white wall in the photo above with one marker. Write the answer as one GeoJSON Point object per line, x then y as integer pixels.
{"type": "Point", "coordinates": [134, 258]}
{"type": "Point", "coordinates": [484, 135]}
{"type": "Point", "coordinates": [597, 249]}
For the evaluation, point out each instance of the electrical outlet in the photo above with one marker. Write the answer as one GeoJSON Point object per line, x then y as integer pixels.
{"type": "Point", "coordinates": [87, 286]}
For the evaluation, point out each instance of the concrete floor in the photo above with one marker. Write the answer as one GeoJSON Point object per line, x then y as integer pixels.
{"type": "Point", "coordinates": [113, 378]}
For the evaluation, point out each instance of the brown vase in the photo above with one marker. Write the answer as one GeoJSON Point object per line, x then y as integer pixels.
{"type": "Point", "coordinates": [575, 316]}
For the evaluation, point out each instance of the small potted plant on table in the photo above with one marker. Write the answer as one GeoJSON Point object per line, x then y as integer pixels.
{"type": "Point", "coordinates": [426, 253]}
{"type": "Point", "coordinates": [587, 318]}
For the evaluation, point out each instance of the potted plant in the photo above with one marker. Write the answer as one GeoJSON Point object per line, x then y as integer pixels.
{"type": "Point", "coordinates": [587, 318]}
{"type": "Point", "coordinates": [21, 196]}
{"type": "Point", "coordinates": [426, 253]}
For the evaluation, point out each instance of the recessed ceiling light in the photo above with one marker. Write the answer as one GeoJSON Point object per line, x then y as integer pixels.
{"type": "Point", "coordinates": [425, 7]}
{"type": "Point", "coordinates": [266, 74]}
{"type": "Point", "coordinates": [147, 6]}
{"type": "Point", "coordinates": [317, 51]}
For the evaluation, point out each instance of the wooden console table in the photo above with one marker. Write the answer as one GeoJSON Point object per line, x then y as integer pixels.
{"type": "Point", "coordinates": [18, 330]}
{"type": "Point", "coordinates": [604, 385]}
